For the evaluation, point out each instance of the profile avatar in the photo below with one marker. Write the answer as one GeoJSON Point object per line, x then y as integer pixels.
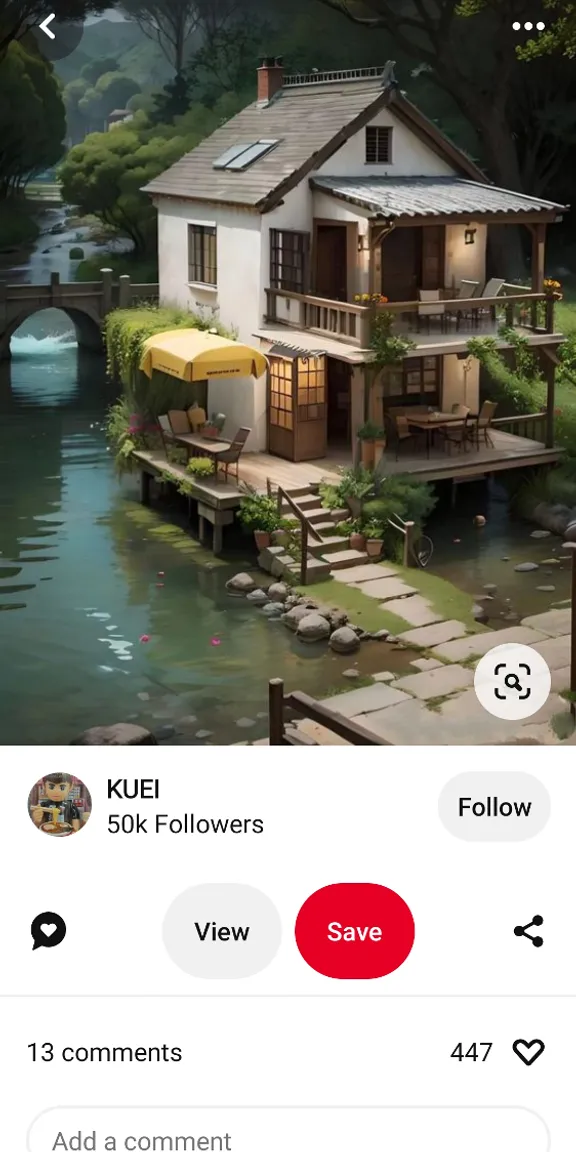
{"type": "Point", "coordinates": [59, 804]}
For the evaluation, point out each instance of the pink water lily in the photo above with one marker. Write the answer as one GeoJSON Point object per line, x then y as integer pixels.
{"type": "Point", "coordinates": [215, 641]}
{"type": "Point", "coordinates": [144, 639]}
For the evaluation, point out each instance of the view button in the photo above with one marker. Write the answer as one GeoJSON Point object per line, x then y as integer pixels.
{"type": "Point", "coordinates": [354, 931]}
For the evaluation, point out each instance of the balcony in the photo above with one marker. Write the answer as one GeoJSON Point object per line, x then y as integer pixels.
{"type": "Point", "coordinates": [530, 313]}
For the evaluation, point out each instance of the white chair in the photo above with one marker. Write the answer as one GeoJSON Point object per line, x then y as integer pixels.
{"type": "Point", "coordinates": [431, 308]}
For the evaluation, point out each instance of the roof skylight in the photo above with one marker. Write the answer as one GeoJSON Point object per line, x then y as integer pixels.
{"type": "Point", "coordinates": [241, 156]}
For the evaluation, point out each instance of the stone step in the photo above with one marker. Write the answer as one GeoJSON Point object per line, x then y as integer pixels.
{"type": "Point", "coordinates": [313, 515]}
{"type": "Point", "coordinates": [295, 493]}
{"type": "Point", "coordinates": [327, 544]}
{"type": "Point", "coordinates": [304, 502]}
{"type": "Point", "coordinates": [348, 558]}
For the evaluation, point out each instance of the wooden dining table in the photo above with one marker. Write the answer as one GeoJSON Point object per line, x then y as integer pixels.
{"type": "Point", "coordinates": [432, 422]}
{"type": "Point", "coordinates": [202, 446]}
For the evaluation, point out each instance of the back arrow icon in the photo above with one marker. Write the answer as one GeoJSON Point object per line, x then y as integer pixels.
{"type": "Point", "coordinates": [44, 26]}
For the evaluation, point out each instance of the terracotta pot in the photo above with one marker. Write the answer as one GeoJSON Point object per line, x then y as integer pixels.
{"type": "Point", "coordinates": [379, 448]}
{"type": "Point", "coordinates": [262, 539]}
{"type": "Point", "coordinates": [367, 453]}
{"type": "Point", "coordinates": [374, 547]}
{"type": "Point", "coordinates": [357, 541]}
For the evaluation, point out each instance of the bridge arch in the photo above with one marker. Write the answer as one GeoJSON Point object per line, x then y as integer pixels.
{"type": "Point", "coordinates": [86, 323]}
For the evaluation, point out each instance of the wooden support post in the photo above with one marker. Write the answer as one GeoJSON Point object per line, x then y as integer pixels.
{"type": "Point", "coordinates": [276, 712]}
{"type": "Point", "coordinates": [409, 536]}
{"type": "Point", "coordinates": [201, 529]}
{"type": "Point", "coordinates": [145, 486]}
{"type": "Point", "coordinates": [106, 274]}
{"type": "Point", "coordinates": [549, 368]}
{"type": "Point", "coordinates": [538, 256]}
{"type": "Point", "coordinates": [217, 535]}
{"type": "Point", "coordinates": [303, 552]}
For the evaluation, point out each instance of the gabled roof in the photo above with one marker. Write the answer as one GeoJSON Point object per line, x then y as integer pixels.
{"type": "Point", "coordinates": [393, 197]}
{"type": "Point", "coordinates": [311, 122]}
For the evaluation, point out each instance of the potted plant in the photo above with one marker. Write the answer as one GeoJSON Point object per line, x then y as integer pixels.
{"type": "Point", "coordinates": [259, 513]}
{"type": "Point", "coordinates": [352, 531]}
{"type": "Point", "coordinates": [368, 433]}
{"type": "Point", "coordinates": [374, 532]}
{"type": "Point", "coordinates": [200, 466]}
{"type": "Point", "coordinates": [212, 429]}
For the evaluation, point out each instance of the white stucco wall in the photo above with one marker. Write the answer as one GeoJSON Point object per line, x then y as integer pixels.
{"type": "Point", "coordinates": [236, 297]}
{"type": "Point", "coordinates": [410, 156]}
{"type": "Point", "coordinates": [459, 386]}
{"type": "Point", "coordinates": [243, 401]}
{"type": "Point", "coordinates": [465, 261]}
{"type": "Point", "coordinates": [295, 214]}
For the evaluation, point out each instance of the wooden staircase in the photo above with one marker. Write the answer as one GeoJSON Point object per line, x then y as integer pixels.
{"type": "Point", "coordinates": [325, 547]}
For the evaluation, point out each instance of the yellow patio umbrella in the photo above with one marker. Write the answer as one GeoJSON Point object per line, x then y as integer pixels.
{"type": "Point", "coordinates": [190, 354]}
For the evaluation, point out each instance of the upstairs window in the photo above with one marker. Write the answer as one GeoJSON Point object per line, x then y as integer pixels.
{"type": "Point", "coordinates": [289, 260]}
{"type": "Point", "coordinates": [378, 145]}
{"type": "Point", "coordinates": [202, 260]}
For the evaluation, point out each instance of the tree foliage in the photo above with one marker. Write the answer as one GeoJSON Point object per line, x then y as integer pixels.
{"type": "Point", "coordinates": [32, 122]}
{"type": "Point", "coordinates": [16, 16]}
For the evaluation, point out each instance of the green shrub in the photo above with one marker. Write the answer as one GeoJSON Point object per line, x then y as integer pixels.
{"type": "Point", "coordinates": [76, 253]}
{"type": "Point", "coordinates": [257, 512]}
{"type": "Point", "coordinates": [557, 486]}
{"type": "Point", "coordinates": [518, 389]}
{"type": "Point", "coordinates": [200, 466]}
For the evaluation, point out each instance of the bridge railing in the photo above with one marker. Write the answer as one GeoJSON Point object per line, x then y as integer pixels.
{"type": "Point", "coordinates": [104, 295]}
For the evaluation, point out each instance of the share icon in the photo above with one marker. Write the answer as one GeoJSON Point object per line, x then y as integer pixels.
{"type": "Point", "coordinates": [522, 930]}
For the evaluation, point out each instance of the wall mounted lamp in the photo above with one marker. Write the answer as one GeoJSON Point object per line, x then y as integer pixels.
{"type": "Point", "coordinates": [469, 235]}
{"type": "Point", "coordinates": [363, 243]}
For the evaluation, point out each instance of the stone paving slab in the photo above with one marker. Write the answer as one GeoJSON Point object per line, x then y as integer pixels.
{"type": "Point", "coordinates": [556, 622]}
{"type": "Point", "coordinates": [414, 610]}
{"type": "Point", "coordinates": [434, 634]}
{"type": "Point", "coordinates": [482, 642]}
{"type": "Point", "coordinates": [362, 573]}
{"type": "Point", "coordinates": [319, 733]}
{"type": "Point", "coordinates": [386, 589]}
{"type": "Point", "coordinates": [460, 721]}
{"type": "Point", "coordinates": [383, 677]}
{"type": "Point", "coordinates": [374, 698]}
{"type": "Point", "coordinates": [560, 679]}
{"type": "Point", "coordinates": [426, 665]}
{"type": "Point", "coordinates": [555, 650]}
{"type": "Point", "coordinates": [438, 682]}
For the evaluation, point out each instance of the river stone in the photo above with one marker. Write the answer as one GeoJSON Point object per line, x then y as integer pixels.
{"type": "Point", "coordinates": [490, 587]}
{"type": "Point", "coordinates": [258, 596]}
{"type": "Point", "coordinates": [344, 640]}
{"type": "Point", "coordinates": [292, 618]}
{"type": "Point", "coordinates": [278, 591]}
{"type": "Point", "coordinates": [479, 613]}
{"type": "Point", "coordinates": [240, 584]}
{"type": "Point", "coordinates": [279, 565]}
{"type": "Point", "coordinates": [351, 673]}
{"type": "Point", "coordinates": [527, 567]}
{"type": "Point", "coordinates": [203, 734]}
{"type": "Point", "coordinates": [381, 634]}
{"type": "Point", "coordinates": [337, 618]}
{"type": "Point", "coordinates": [540, 533]}
{"type": "Point", "coordinates": [555, 517]}
{"type": "Point", "coordinates": [546, 588]}
{"type": "Point", "coordinates": [245, 722]}
{"type": "Point", "coordinates": [165, 732]}
{"type": "Point", "coordinates": [116, 734]}
{"type": "Point", "coordinates": [570, 533]}
{"type": "Point", "coordinates": [313, 627]}
{"type": "Point", "coordinates": [273, 610]}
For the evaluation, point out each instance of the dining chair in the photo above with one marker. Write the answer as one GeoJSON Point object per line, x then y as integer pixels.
{"type": "Point", "coordinates": [402, 432]}
{"type": "Point", "coordinates": [457, 434]}
{"type": "Point", "coordinates": [459, 410]}
{"type": "Point", "coordinates": [485, 418]}
{"type": "Point", "coordinates": [196, 417]}
{"type": "Point", "coordinates": [431, 307]}
{"type": "Point", "coordinates": [230, 458]}
{"type": "Point", "coordinates": [179, 422]}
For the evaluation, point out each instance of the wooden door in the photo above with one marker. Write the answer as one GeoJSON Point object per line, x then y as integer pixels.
{"type": "Point", "coordinates": [339, 401]}
{"type": "Point", "coordinates": [330, 261]}
{"type": "Point", "coordinates": [297, 407]}
{"type": "Point", "coordinates": [433, 275]}
{"type": "Point", "coordinates": [401, 262]}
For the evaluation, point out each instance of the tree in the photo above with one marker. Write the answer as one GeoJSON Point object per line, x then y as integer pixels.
{"type": "Point", "coordinates": [559, 36]}
{"type": "Point", "coordinates": [169, 22]}
{"type": "Point", "coordinates": [523, 135]}
{"type": "Point", "coordinates": [32, 118]}
{"type": "Point", "coordinates": [17, 16]}
{"type": "Point", "coordinates": [94, 69]}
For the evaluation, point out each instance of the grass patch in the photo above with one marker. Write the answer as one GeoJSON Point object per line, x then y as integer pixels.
{"type": "Point", "coordinates": [361, 609]}
{"type": "Point", "coordinates": [445, 599]}
{"type": "Point", "coordinates": [350, 686]}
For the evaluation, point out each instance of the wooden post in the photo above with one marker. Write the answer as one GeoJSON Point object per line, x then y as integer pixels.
{"type": "Point", "coordinates": [106, 274]}
{"type": "Point", "coordinates": [217, 534]}
{"type": "Point", "coordinates": [549, 368]}
{"type": "Point", "coordinates": [538, 256]}
{"type": "Point", "coordinates": [409, 535]}
{"type": "Point", "coordinates": [549, 307]}
{"type": "Point", "coordinates": [125, 292]}
{"type": "Point", "coordinates": [276, 712]}
{"type": "Point", "coordinates": [304, 552]}
{"type": "Point", "coordinates": [145, 485]}
{"type": "Point", "coordinates": [201, 529]}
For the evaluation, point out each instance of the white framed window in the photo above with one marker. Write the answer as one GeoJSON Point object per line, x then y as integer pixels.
{"type": "Point", "coordinates": [378, 144]}
{"type": "Point", "coordinates": [202, 254]}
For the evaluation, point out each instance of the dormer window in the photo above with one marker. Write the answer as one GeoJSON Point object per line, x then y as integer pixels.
{"type": "Point", "coordinates": [378, 145]}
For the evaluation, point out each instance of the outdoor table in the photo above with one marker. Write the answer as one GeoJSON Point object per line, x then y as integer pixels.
{"type": "Point", "coordinates": [202, 446]}
{"type": "Point", "coordinates": [432, 422]}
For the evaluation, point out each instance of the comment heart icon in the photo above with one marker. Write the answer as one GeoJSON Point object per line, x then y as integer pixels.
{"type": "Point", "coordinates": [48, 929]}
{"type": "Point", "coordinates": [528, 1050]}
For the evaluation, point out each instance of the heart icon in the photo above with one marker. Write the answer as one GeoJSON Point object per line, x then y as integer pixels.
{"type": "Point", "coordinates": [528, 1050]}
{"type": "Point", "coordinates": [48, 929]}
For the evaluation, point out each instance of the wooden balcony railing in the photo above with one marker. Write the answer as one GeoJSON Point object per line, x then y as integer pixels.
{"type": "Point", "coordinates": [531, 427]}
{"type": "Point", "coordinates": [516, 308]}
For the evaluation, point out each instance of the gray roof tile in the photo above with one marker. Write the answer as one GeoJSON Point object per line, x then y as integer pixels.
{"type": "Point", "coordinates": [392, 197]}
{"type": "Point", "coordinates": [303, 119]}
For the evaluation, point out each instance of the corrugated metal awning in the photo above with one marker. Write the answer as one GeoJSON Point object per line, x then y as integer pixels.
{"type": "Point", "coordinates": [394, 197]}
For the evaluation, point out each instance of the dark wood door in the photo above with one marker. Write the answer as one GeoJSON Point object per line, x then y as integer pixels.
{"type": "Point", "coordinates": [402, 264]}
{"type": "Point", "coordinates": [433, 256]}
{"type": "Point", "coordinates": [331, 278]}
{"type": "Point", "coordinates": [338, 378]}
{"type": "Point", "coordinates": [297, 407]}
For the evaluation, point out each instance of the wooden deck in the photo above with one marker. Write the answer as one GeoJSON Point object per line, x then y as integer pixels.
{"type": "Point", "coordinates": [508, 452]}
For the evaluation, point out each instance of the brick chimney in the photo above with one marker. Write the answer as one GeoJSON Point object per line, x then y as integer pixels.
{"type": "Point", "coordinates": [270, 76]}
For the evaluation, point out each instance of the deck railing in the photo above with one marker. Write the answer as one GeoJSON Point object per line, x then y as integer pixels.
{"type": "Point", "coordinates": [303, 532]}
{"type": "Point", "coordinates": [310, 709]}
{"type": "Point", "coordinates": [516, 308]}
{"type": "Point", "coordinates": [531, 427]}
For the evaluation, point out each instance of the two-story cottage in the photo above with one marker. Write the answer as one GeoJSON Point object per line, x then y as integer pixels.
{"type": "Point", "coordinates": [331, 186]}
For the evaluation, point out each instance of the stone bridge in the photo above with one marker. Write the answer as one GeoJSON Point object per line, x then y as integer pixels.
{"type": "Point", "coordinates": [85, 304]}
